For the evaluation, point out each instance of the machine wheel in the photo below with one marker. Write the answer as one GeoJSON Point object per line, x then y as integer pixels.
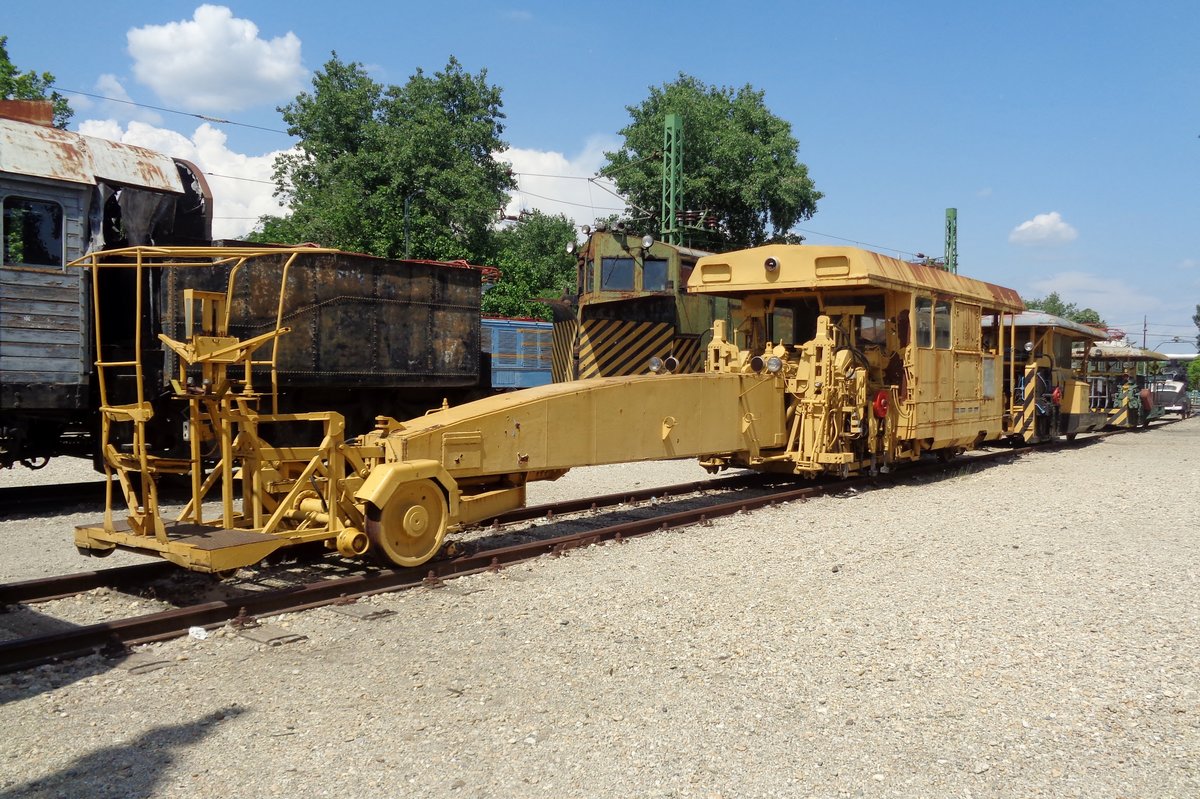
{"type": "Point", "coordinates": [409, 529]}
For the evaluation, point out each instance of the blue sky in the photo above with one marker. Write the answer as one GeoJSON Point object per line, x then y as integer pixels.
{"type": "Point", "coordinates": [1066, 133]}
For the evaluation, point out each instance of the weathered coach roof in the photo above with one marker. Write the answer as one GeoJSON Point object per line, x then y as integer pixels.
{"type": "Point", "coordinates": [802, 266]}
{"type": "Point", "coordinates": [1043, 319]}
{"type": "Point", "coordinates": [45, 152]}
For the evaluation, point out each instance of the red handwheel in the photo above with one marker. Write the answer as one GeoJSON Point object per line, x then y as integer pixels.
{"type": "Point", "coordinates": [880, 404]}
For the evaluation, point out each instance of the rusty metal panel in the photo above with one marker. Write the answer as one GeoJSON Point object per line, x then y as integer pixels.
{"type": "Point", "coordinates": [356, 320]}
{"type": "Point", "coordinates": [53, 154]}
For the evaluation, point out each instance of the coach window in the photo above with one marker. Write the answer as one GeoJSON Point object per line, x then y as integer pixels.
{"type": "Point", "coordinates": [654, 275]}
{"type": "Point", "coordinates": [33, 232]}
{"type": "Point", "coordinates": [924, 320]}
{"type": "Point", "coordinates": [941, 324]}
{"type": "Point", "coordinates": [616, 274]}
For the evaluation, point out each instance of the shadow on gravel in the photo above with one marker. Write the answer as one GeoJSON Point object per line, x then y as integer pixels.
{"type": "Point", "coordinates": [132, 771]}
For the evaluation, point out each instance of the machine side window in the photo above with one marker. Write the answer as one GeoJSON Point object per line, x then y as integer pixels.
{"type": "Point", "coordinates": [33, 232]}
{"type": "Point", "coordinates": [941, 324]}
{"type": "Point", "coordinates": [872, 328]}
{"type": "Point", "coordinates": [616, 274]}
{"type": "Point", "coordinates": [589, 277]}
{"type": "Point", "coordinates": [654, 275]}
{"type": "Point", "coordinates": [924, 321]}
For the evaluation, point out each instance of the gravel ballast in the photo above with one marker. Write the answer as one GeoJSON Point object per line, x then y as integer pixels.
{"type": "Point", "coordinates": [1028, 629]}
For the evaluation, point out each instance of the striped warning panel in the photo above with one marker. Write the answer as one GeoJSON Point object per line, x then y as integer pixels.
{"type": "Point", "coordinates": [616, 347]}
{"type": "Point", "coordinates": [687, 350]}
{"type": "Point", "coordinates": [562, 364]}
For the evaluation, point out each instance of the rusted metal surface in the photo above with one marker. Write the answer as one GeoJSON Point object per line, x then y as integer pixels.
{"type": "Point", "coordinates": [54, 154]}
{"type": "Point", "coordinates": [355, 320]}
{"type": "Point", "coordinates": [35, 112]}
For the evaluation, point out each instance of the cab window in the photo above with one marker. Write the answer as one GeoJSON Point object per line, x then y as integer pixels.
{"type": "Point", "coordinates": [924, 322]}
{"type": "Point", "coordinates": [654, 275]}
{"type": "Point", "coordinates": [941, 324]}
{"type": "Point", "coordinates": [616, 274]}
{"type": "Point", "coordinates": [33, 232]}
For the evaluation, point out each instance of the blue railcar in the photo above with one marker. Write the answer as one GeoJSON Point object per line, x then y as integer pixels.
{"type": "Point", "coordinates": [520, 351]}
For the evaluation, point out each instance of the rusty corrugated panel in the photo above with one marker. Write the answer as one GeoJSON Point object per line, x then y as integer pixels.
{"type": "Point", "coordinates": [43, 152]}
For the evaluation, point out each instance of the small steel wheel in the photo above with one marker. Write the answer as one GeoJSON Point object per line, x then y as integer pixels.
{"type": "Point", "coordinates": [409, 529]}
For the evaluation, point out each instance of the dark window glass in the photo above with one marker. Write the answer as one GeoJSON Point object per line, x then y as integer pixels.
{"type": "Point", "coordinates": [654, 275]}
{"type": "Point", "coordinates": [941, 324]}
{"type": "Point", "coordinates": [616, 274]}
{"type": "Point", "coordinates": [33, 232]}
{"type": "Point", "coordinates": [924, 322]}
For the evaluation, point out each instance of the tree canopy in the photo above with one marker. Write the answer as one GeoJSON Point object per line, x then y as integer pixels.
{"type": "Point", "coordinates": [533, 260]}
{"type": "Point", "coordinates": [1196, 322]}
{"type": "Point", "coordinates": [393, 170]}
{"type": "Point", "coordinates": [1053, 304]}
{"type": "Point", "coordinates": [17, 85]}
{"type": "Point", "coordinates": [739, 161]}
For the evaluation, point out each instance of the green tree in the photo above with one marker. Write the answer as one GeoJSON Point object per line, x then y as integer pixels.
{"type": "Point", "coordinates": [17, 85]}
{"type": "Point", "coordinates": [1196, 322]}
{"type": "Point", "coordinates": [1193, 374]}
{"type": "Point", "coordinates": [393, 170]}
{"type": "Point", "coordinates": [533, 260]}
{"type": "Point", "coordinates": [739, 161]}
{"type": "Point", "coordinates": [1053, 304]}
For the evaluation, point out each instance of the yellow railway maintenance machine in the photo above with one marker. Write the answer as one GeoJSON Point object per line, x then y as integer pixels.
{"type": "Point", "coordinates": [1049, 394]}
{"type": "Point", "coordinates": [883, 361]}
{"type": "Point", "coordinates": [1122, 386]}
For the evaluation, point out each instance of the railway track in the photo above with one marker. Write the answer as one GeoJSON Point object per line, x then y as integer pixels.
{"type": "Point", "coordinates": [477, 556]}
{"type": "Point", "coordinates": [30, 500]}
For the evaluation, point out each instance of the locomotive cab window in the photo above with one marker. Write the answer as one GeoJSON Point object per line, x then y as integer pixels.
{"type": "Point", "coordinates": [589, 280]}
{"type": "Point", "coordinates": [654, 275]}
{"type": "Point", "coordinates": [33, 232]}
{"type": "Point", "coordinates": [616, 274]}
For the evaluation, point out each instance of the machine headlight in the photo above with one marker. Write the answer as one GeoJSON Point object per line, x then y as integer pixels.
{"type": "Point", "coordinates": [757, 363]}
{"type": "Point", "coordinates": [1029, 346]}
{"type": "Point", "coordinates": [655, 364]}
{"type": "Point", "coordinates": [647, 241]}
{"type": "Point", "coordinates": [671, 364]}
{"type": "Point", "coordinates": [774, 364]}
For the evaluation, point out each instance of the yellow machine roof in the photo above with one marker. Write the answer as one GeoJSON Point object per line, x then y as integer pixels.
{"type": "Point", "coordinates": [792, 267]}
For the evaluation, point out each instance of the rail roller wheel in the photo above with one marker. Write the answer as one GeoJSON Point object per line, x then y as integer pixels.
{"type": "Point", "coordinates": [409, 529]}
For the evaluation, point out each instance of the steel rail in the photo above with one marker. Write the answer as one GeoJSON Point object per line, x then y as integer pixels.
{"type": "Point", "coordinates": [117, 636]}
{"type": "Point", "coordinates": [42, 589]}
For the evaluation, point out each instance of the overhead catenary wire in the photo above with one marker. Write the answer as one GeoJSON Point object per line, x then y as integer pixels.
{"type": "Point", "coordinates": [205, 117]}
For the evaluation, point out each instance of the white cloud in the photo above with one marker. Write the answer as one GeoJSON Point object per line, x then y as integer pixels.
{"type": "Point", "coordinates": [241, 184]}
{"type": "Point", "coordinates": [216, 62]}
{"type": "Point", "coordinates": [555, 184]}
{"type": "Point", "coordinates": [1112, 298]}
{"type": "Point", "coordinates": [985, 192]}
{"type": "Point", "coordinates": [109, 86]}
{"type": "Point", "coordinates": [1043, 229]}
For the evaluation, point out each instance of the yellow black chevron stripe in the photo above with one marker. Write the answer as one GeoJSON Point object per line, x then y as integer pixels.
{"type": "Point", "coordinates": [687, 350]}
{"type": "Point", "coordinates": [562, 364]}
{"type": "Point", "coordinates": [616, 347]}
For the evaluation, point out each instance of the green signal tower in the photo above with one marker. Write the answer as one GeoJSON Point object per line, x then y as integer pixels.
{"type": "Point", "coordinates": [672, 180]}
{"type": "Point", "coordinates": [952, 240]}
